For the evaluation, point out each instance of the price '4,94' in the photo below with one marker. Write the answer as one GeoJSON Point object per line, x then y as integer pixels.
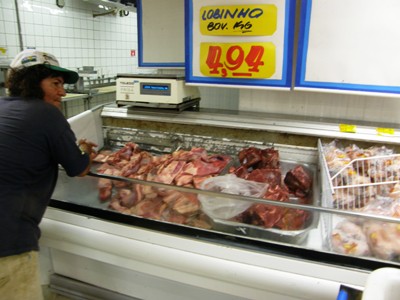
{"type": "Point", "coordinates": [239, 60]}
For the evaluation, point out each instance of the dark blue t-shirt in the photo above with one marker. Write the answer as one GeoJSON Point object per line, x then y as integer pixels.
{"type": "Point", "coordinates": [35, 138]}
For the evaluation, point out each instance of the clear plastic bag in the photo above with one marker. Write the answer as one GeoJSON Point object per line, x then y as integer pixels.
{"type": "Point", "coordinates": [225, 208]}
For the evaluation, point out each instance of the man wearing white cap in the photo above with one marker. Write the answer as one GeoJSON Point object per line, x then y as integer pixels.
{"type": "Point", "coordinates": [35, 138]}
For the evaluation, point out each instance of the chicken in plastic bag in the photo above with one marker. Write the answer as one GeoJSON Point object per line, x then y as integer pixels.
{"type": "Point", "coordinates": [225, 208]}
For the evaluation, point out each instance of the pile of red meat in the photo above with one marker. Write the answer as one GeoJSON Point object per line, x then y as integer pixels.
{"type": "Point", "coordinates": [263, 165]}
{"type": "Point", "coordinates": [180, 168]}
{"type": "Point", "coordinates": [190, 168]}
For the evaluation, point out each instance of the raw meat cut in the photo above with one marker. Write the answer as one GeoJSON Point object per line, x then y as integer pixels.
{"type": "Point", "coordinates": [298, 181]}
{"type": "Point", "coordinates": [263, 165]}
{"type": "Point", "coordinates": [182, 168]}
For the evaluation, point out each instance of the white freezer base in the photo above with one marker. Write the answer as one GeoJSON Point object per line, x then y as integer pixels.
{"type": "Point", "coordinates": [148, 264]}
{"type": "Point", "coordinates": [129, 282]}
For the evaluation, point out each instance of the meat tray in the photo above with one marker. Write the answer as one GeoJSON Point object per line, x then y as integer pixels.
{"type": "Point", "coordinates": [296, 237]}
{"type": "Point", "coordinates": [160, 143]}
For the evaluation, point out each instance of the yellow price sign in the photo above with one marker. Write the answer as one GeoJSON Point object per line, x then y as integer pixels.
{"type": "Point", "coordinates": [238, 60]}
{"type": "Point", "coordinates": [244, 20]}
{"type": "Point", "coordinates": [347, 128]}
{"type": "Point", "coordinates": [385, 131]}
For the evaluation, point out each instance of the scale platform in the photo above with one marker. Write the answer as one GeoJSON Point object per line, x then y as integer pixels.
{"type": "Point", "coordinates": [192, 103]}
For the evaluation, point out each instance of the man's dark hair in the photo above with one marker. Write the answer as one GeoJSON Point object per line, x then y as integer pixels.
{"type": "Point", "coordinates": [25, 82]}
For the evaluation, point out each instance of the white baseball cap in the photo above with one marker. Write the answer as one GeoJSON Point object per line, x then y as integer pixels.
{"type": "Point", "coordinates": [32, 57]}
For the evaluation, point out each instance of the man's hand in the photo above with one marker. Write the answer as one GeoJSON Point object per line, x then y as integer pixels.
{"type": "Point", "coordinates": [87, 147]}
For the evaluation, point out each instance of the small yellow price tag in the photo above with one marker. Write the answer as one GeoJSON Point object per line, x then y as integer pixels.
{"type": "Point", "coordinates": [381, 130]}
{"type": "Point", "coordinates": [347, 128]}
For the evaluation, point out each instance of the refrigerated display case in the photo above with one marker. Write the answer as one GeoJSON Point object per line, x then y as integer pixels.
{"type": "Point", "coordinates": [174, 249]}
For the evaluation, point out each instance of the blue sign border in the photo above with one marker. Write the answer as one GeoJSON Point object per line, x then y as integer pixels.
{"type": "Point", "coordinates": [285, 82]}
{"type": "Point", "coordinates": [301, 66]}
{"type": "Point", "coordinates": [141, 62]}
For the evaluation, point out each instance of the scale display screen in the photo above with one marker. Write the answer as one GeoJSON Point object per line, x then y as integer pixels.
{"type": "Point", "coordinates": [160, 89]}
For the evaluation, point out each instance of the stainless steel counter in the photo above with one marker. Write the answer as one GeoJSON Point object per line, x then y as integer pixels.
{"type": "Point", "coordinates": [76, 96]}
{"type": "Point", "coordinates": [75, 103]}
{"type": "Point", "coordinates": [284, 129]}
{"type": "Point", "coordinates": [70, 97]}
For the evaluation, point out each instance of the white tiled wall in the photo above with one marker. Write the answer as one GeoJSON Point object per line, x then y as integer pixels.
{"type": "Point", "coordinates": [78, 39]}
{"type": "Point", "coordinates": [72, 34]}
